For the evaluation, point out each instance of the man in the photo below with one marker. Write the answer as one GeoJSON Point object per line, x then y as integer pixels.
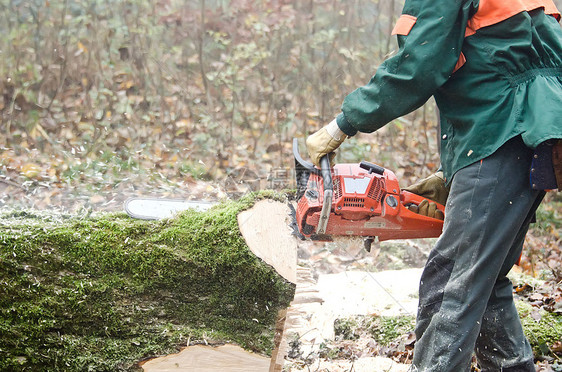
{"type": "Point", "coordinates": [495, 70]}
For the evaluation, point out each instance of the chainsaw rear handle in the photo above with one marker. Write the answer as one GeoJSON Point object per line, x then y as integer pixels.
{"type": "Point", "coordinates": [326, 172]}
{"type": "Point", "coordinates": [408, 197]}
{"type": "Point", "coordinates": [328, 195]}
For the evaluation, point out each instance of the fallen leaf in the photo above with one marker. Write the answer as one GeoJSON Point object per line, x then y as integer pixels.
{"type": "Point", "coordinates": [557, 347]}
{"type": "Point", "coordinates": [30, 170]}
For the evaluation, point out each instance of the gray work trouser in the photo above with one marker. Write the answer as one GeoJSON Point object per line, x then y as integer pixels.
{"type": "Point", "coordinates": [466, 301]}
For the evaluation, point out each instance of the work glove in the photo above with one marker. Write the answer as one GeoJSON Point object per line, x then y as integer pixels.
{"type": "Point", "coordinates": [325, 141]}
{"type": "Point", "coordinates": [427, 208]}
{"type": "Point", "coordinates": [432, 188]}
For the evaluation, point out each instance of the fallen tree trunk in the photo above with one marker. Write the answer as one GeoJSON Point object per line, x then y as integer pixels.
{"type": "Point", "coordinates": [104, 292]}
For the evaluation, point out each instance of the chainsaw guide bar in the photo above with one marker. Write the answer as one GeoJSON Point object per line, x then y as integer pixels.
{"type": "Point", "coordinates": [156, 209]}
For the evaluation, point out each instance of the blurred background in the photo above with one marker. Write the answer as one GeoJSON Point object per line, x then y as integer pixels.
{"type": "Point", "coordinates": [105, 98]}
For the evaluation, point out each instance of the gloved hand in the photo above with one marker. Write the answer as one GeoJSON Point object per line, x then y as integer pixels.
{"type": "Point", "coordinates": [427, 208]}
{"type": "Point", "coordinates": [432, 187]}
{"type": "Point", "coordinates": [325, 141]}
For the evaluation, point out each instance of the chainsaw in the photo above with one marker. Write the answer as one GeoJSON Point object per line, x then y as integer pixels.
{"type": "Point", "coordinates": [357, 200]}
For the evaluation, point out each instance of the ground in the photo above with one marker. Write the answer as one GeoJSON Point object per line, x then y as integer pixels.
{"type": "Point", "coordinates": [377, 339]}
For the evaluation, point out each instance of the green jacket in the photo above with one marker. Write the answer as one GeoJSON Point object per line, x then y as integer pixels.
{"type": "Point", "coordinates": [511, 82]}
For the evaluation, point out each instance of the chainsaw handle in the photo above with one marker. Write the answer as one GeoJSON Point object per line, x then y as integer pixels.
{"type": "Point", "coordinates": [325, 168]}
{"type": "Point", "coordinates": [326, 172]}
{"type": "Point", "coordinates": [328, 194]}
{"type": "Point", "coordinates": [407, 197]}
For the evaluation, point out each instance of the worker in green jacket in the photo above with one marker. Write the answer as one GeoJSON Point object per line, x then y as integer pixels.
{"type": "Point", "coordinates": [495, 70]}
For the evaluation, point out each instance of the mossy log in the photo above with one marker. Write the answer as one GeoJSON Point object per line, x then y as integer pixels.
{"type": "Point", "coordinates": [105, 291]}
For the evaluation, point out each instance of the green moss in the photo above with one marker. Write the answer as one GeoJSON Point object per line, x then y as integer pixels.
{"type": "Point", "coordinates": [102, 292]}
{"type": "Point", "coordinates": [383, 329]}
{"type": "Point", "coordinates": [349, 328]}
{"type": "Point", "coordinates": [386, 329]}
{"type": "Point", "coordinates": [542, 328]}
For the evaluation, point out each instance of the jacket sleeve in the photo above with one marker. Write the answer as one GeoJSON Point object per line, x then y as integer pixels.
{"type": "Point", "coordinates": [430, 37]}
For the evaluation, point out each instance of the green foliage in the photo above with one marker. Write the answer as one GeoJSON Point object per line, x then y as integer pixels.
{"type": "Point", "coordinates": [352, 151]}
{"type": "Point", "coordinates": [347, 328]}
{"type": "Point", "coordinates": [197, 171]}
{"type": "Point", "coordinates": [549, 217]}
{"type": "Point", "coordinates": [102, 292]}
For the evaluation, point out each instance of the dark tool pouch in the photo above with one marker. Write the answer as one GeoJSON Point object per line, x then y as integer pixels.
{"type": "Point", "coordinates": [557, 162]}
{"type": "Point", "coordinates": [546, 167]}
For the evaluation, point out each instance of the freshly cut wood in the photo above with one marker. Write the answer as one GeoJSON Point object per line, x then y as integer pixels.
{"type": "Point", "coordinates": [200, 358]}
{"type": "Point", "coordinates": [265, 228]}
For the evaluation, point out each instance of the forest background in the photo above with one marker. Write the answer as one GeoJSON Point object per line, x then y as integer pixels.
{"type": "Point", "coordinates": [104, 99]}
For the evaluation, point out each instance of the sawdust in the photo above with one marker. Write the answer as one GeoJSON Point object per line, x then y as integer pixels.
{"type": "Point", "coordinates": [339, 280]}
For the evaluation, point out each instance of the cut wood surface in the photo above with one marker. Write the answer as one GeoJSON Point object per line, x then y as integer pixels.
{"type": "Point", "coordinates": [199, 358]}
{"type": "Point", "coordinates": [265, 227]}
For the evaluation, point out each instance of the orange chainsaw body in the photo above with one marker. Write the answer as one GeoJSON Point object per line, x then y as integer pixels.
{"type": "Point", "coordinates": [364, 204]}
